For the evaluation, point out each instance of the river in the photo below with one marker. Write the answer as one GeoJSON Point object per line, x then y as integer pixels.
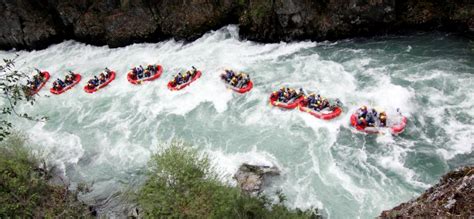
{"type": "Point", "coordinates": [107, 137]}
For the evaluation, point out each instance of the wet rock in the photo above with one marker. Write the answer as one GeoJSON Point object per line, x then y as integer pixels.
{"type": "Point", "coordinates": [276, 20]}
{"type": "Point", "coordinates": [188, 20]}
{"type": "Point", "coordinates": [251, 178]}
{"type": "Point", "coordinates": [134, 212]}
{"type": "Point", "coordinates": [34, 24]}
{"type": "Point", "coordinates": [452, 197]}
{"type": "Point", "coordinates": [26, 24]}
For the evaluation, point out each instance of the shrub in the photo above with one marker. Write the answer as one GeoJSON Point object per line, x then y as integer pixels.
{"type": "Point", "coordinates": [25, 187]}
{"type": "Point", "coordinates": [182, 184]}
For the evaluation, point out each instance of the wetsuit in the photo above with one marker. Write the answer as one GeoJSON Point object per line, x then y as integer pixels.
{"type": "Point", "coordinates": [370, 119]}
{"type": "Point", "coordinates": [229, 75]}
{"type": "Point", "coordinates": [179, 79]}
{"type": "Point", "coordinates": [61, 83]}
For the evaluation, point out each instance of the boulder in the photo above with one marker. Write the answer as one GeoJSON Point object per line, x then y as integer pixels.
{"type": "Point", "coordinates": [251, 178]}
{"type": "Point", "coordinates": [452, 197]}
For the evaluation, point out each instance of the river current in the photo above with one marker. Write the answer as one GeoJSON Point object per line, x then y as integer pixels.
{"type": "Point", "coordinates": [107, 138]}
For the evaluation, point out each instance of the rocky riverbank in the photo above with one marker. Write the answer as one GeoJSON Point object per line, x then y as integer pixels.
{"type": "Point", "coordinates": [452, 197]}
{"type": "Point", "coordinates": [35, 24]}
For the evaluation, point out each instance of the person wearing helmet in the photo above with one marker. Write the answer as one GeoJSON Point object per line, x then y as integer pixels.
{"type": "Point", "coordinates": [233, 81]}
{"type": "Point", "coordinates": [194, 72]}
{"type": "Point", "coordinates": [134, 73]}
{"type": "Point", "coordinates": [178, 78]}
{"type": "Point", "coordinates": [187, 76]}
{"type": "Point", "coordinates": [315, 105]}
{"type": "Point", "coordinates": [32, 86]}
{"type": "Point", "coordinates": [72, 75]}
{"type": "Point", "coordinates": [324, 104]}
{"type": "Point", "coordinates": [246, 80]}
{"type": "Point", "coordinates": [319, 98]}
{"type": "Point", "coordinates": [361, 121]}
{"type": "Point", "coordinates": [139, 72]}
{"type": "Point", "coordinates": [95, 81]}
{"type": "Point", "coordinates": [107, 73]}
{"type": "Point", "coordinates": [300, 93]}
{"type": "Point", "coordinates": [275, 95]}
{"type": "Point", "coordinates": [56, 86]}
{"type": "Point", "coordinates": [102, 78]}
{"type": "Point", "coordinates": [362, 112]}
{"type": "Point", "coordinates": [146, 73]}
{"type": "Point", "coordinates": [292, 94]}
{"type": "Point", "coordinates": [69, 79]}
{"type": "Point", "coordinates": [280, 94]}
{"type": "Point", "coordinates": [374, 112]}
{"type": "Point", "coordinates": [59, 84]}
{"type": "Point", "coordinates": [318, 103]}
{"type": "Point", "coordinates": [370, 118]}
{"type": "Point", "coordinates": [383, 120]}
{"type": "Point", "coordinates": [311, 99]}
{"type": "Point", "coordinates": [224, 76]}
{"type": "Point", "coordinates": [243, 79]}
{"type": "Point", "coordinates": [173, 83]}
{"type": "Point", "coordinates": [90, 84]}
{"type": "Point", "coordinates": [37, 80]}
{"type": "Point", "coordinates": [286, 97]}
{"type": "Point", "coordinates": [153, 69]}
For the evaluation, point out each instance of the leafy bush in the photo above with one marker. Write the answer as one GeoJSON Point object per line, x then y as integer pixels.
{"type": "Point", "coordinates": [182, 184]}
{"type": "Point", "coordinates": [25, 187]}
{"type": "Point", "coordinates": [13, 93]}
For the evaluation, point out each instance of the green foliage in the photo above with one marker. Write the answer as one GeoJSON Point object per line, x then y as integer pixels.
{"type": "Point", "coordinates": [182, 184]}
{"type": "Point", "coordinates": [25, 187]}
{"type": "Point", "coordinates": [13, 92]}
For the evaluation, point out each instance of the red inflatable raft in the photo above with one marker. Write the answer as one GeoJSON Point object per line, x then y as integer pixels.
{"type": "Point", "coordinates": [45, 79]}
{"type": "Point", "coordinates": [107, 82]}
{"type": "Point", "coordinates": [324, 114]}
{"type": "Point", "coordinates": [395, 129]}
{"type": "Point", "coordinates": [242, 90]}
{"type": "Point", "coordinates": [291, 105]}
{"type": "Point", "coordinates": [77, 79]}
{"type": "Point", "coordinates": [181, 86]}
{"type": "Point", "coordinates": [134, 80]}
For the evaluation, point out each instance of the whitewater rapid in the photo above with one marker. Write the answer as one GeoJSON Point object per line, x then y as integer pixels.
{"type": "Point", "coordinates": [107, 137]}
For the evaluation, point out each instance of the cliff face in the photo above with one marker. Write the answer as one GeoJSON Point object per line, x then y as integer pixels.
{"type": "Point", "coordinates": [33, 24]}
{"type": "Point", "coordinates": [273, 20]}
{"type": "Point", "coordinates": [453, 197]}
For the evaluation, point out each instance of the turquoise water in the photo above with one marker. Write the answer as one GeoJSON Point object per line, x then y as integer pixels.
{"type": "Point", "coordinates": [107, 137]}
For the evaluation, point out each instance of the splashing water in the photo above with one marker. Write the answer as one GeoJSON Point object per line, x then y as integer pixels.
{"type": "Point", "coordinates": [107, 137]}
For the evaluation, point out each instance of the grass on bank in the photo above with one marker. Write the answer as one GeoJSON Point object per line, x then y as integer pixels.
{"type": "Point", "coordinates": [26, 190]}
{"type": "Point", "coordinates": [182, 184]}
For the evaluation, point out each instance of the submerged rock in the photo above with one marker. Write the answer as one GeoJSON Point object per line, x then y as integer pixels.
{"type": "Point", "coordinates": [452, 197]}
{"type": "Point", "coordinates": [250, 178]}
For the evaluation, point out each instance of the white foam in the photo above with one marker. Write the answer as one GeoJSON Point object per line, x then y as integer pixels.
{"type": "Point", "coordinates": [395, 162]}
{"type": "Point", "coordinates": [349, 175]}
{"type": "Point", "coordinates": [63, 149]}
{"type": "Point", "coordinates": [228, 164]}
